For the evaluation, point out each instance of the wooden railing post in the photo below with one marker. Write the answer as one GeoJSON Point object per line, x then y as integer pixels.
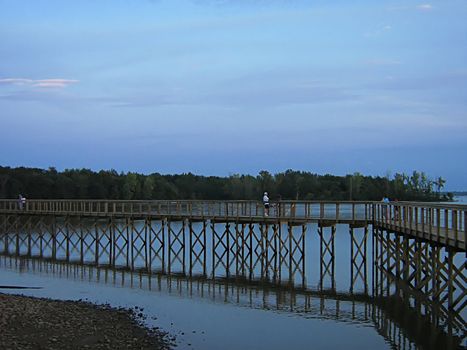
{"type": "Point", "coordinates": [446, 225]}
{"type": "Point", "coordinates": [465, 229]}
{"type": "Point", "coordinates": [400, 212]}
{"type": "Point", "coordinates": [411, 216]}
{"type": "Point", "coordinates": [423, 220]}
{"type": "Point", "coordinates": [438, 224]}
{"type": "Point", "coordinates": [454, 225]}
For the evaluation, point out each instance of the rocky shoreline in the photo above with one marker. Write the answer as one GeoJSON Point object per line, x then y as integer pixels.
{"type": "Point", "coordinates": [37, 323]}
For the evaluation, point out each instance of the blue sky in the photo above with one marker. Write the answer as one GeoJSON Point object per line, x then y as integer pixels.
{"type": "Point", "coordinates": [222, 87]}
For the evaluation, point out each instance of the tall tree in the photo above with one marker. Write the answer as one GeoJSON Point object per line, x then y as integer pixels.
{"type": "Point", "coordinates": [440, 183]}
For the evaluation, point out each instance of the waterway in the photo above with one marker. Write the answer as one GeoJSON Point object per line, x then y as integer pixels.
{"type": "Point", "coordinates": [461, 199]}
{"type": "Point", "coordinates": [230, 313]}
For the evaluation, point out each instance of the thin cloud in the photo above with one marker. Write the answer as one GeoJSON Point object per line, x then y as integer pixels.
{"type": "Point", "coordinates": [54, 83]}
{"type": "Point", "coordinates": [241, 96]}
{"type": "Point", "coordinates": [15, 81]}
{"type": "Point", "coordinates": [383, 62]}
{"type": "Point", "coordinates": [421, 7]}
{"type": "Point", "coordinates": [425, 7]}
{"type": "Point", "coordinates": [378, 32]}
{"type": "Point", "coordinates": [39, 83]}
{"type": "Point", "coordinates": [454, 81]}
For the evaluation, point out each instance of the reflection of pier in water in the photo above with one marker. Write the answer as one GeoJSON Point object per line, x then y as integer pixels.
{"type": "Point", "coordinates": [417, 250]}
{"type": "Point", "coordinates": [402, 325]}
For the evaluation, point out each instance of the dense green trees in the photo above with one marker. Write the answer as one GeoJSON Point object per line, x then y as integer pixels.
{"type": "Point", "coordinates": [84, 183]}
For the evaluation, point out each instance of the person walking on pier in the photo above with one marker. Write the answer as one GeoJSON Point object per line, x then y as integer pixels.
{"type": "Point", "coordinates": [21, 202]}
{"type": "Point", "coordinates": [266, 204]}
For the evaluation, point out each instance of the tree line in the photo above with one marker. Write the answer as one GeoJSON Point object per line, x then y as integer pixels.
{"type": "Point", "coordinates": [291, 184]}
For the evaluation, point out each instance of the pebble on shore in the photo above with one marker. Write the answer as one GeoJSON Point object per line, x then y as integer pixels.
{"type": "Point", "coordinates": [35, 323]}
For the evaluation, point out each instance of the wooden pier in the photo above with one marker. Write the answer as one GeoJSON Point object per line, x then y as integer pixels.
{"type": "Point", "coordinates": [418, 247]}
{"type": "Point", "coordinates": [438, 223]}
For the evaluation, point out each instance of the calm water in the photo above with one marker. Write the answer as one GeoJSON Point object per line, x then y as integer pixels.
{"type": "Point", "coordinates": [228, 314]}
{"type": "Point", "coordinates": [461, 199]}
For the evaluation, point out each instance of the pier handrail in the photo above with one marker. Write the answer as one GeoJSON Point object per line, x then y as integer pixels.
{"type": "Point", "coordinates": [442, 223]}
{"type": "Point", "coordinates": [231, 209]}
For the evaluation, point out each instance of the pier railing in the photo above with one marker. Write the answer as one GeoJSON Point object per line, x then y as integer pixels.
{"type": "Point", "coordinates": [284, 210]}
{"type": "Point", "coordinates": [442, 223]}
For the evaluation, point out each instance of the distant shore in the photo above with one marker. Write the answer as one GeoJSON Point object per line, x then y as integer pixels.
{"type": "Point", "coordinates": [36, 323]}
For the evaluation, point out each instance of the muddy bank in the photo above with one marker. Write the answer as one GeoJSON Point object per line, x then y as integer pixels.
{"type": "Point", "coordinates": [34, 323]}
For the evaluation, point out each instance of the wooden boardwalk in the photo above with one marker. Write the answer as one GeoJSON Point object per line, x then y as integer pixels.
{"type": "Point", "coordinates": [443, 224]}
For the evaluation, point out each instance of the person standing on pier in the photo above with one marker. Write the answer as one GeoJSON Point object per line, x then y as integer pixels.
{"type": "Point", "coordinates": [21, 202]}
{"type": "Point", "coordinates": [386, 201]}
{"type": "Point", "coordinates": [278, 206]}
{"type": "Point", "coordinates": [266, 204]}
{"type": "Point", "coordinates": [396, 209]}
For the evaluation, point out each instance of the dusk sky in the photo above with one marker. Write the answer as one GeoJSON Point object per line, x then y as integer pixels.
{"type": "Point", "coordinates": [235, 86]}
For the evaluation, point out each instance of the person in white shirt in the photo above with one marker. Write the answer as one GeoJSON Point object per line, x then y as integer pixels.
{"type": "Point", "coordinates": [266, 204]}
{"type": "Point", "coordinates": [21, 202]}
